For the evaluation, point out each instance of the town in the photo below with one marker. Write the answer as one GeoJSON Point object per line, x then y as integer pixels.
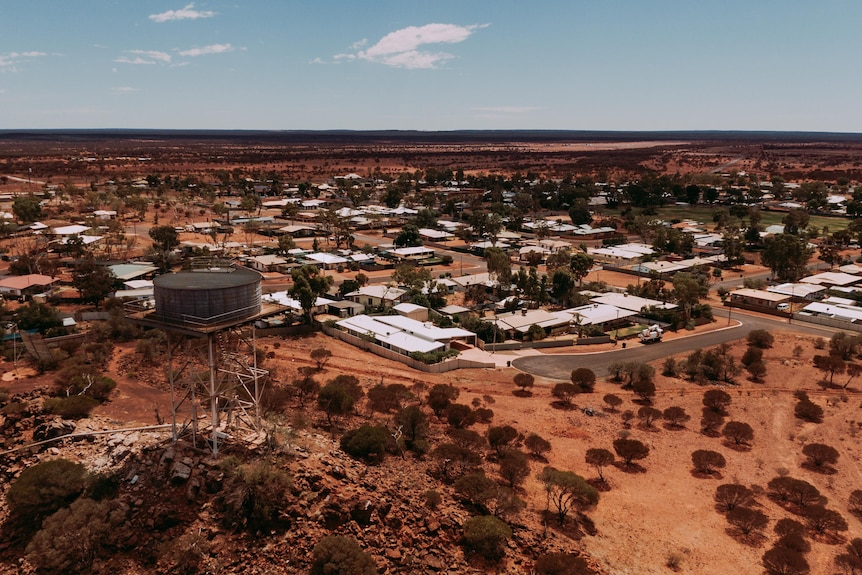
{"type": "Point", "coordinates": [156, 318]}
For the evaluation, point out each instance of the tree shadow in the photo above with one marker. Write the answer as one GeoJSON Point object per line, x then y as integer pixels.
{"type": "Point", "coordinates": [563, 406]}
{"type": "Point", "coordinates": [821, 469]}
{"type": "Point", "coordinates": [572, 527]}
{"type": "Point", "coordinates": [697, 474]}
{"type": "Point", "coordinates": [740, 447]}
{"type": "Point", "coordinates": [630, 467]}
{"type": "Point", "coordinates": [522, 393]}
{"type": "Point", "coordinates": [751, 539]}
{"type": "Point", "coordinates": [599, 485]}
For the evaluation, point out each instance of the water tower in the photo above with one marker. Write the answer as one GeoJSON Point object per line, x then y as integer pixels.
{"type": "Point", "coordinates": [208, 313]}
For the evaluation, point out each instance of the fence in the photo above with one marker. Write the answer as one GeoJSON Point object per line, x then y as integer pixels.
{"type": "Point", "coordinates": [442, 367]}
{"type": "Point", "coordinates": [829, 321]}
{"type": "Point", "coordinates": [510, 345]}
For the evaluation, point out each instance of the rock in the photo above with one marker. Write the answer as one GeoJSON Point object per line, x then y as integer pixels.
{"type": "Point", "coordinates": [337, 472]}
{"type": "Point", "coordinates": [434, 562]}
{"type": "Point", "coordinates": [213, 481]}
{"type": "Point", "coordinates": [361, 512]}
{"type": "Point", "coordinates": [168, 455]}
{"type": "Point", "coordinates": [180, 471]}
{"type": "Point", "coordinates": [193, 489]}
{"type": "Point", "coordinates": [52, 429]}
{"type": "Point", "coordinates": [393, 554]}
{"type": "Point", "coordinates": [334, 517]}
{"type": "Point", "coordinates": [431, 524]}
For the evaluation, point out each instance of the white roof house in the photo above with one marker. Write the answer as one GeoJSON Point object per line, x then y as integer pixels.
{"type": "Point", "coordinates": [631, 302]}
{"type": "Point", "coordinates": [377, 294]}
{"type": "Point", "coordinates": [70, 230]}
{"type": "Point", "coordinates": [285, 299]}
{"type": "Point", "coordinates": [834, 311]}
{"type": "Point", "coordinates": [435, 235]}
{"type": "Point", "coordinates": [832, 278]}
{"type": "Point", "coordinates": [520, 321]}
{"type": "Point", "coordinates": [402, 334]}
{"type": "Point", "coordinates": [598, 313]}
{"type": "Point", "coordinates": [800, 290]}
{"type": "Point", "coordinates": [327, 260]}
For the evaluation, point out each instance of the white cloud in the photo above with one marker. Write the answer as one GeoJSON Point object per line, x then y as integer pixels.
{"type": "Point", "coordinates": [9, 61]}
{"type": "Point", "coordinates": [153, 54]}
{"type": "Point", "coordinates": [186, 13]}
{"type": "Point", "coordinates": [143, 57]}
{"type": "Point", "coordinates": [211, 49]}
{"type": "Point", "coordinates": [136, 61]}
{"type": "Point", "coordinates": [402, 48]}
{"type": "Point", "coordinates": [3, 90]}
{"type": "Point", "coordinates": [124, 90]}
{"type": "Point", "coordinates": [317, 61]}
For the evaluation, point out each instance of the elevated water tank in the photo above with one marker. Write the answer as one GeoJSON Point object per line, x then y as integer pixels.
{"type": "Point", "coordinates": [207, 296]}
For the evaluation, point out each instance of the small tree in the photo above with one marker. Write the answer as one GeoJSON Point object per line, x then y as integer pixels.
{"type": "Point", "coordinates": [566, 490]}
{"type": "Point", "coordinates": [514, 467]}
{"type": "Point", "coordinates": [830, 364]}
{"type": "Point", "coordinates": [706, 461]}
{"type": "Point", "coordinates": [710, 422]}
{"type": "Point", "coordinates": [440, 396]}
{"type": "Point", "coordinates": [525, 381]}
{"type": "Point", "coordinates": [459, 415]}
{"type": "Point", "coordinates": [321, 356]}
{"type": "Point", "coordinates": [732, 495]}
{"type": "Point", "coordinates": [648, 415]}
{"type": "Point", "coordinates": [599, 458]}
{"type": "Point", "coordinates": [752, 354]}
{"type": "Point", "coordinates": [630, 450]}
{"type": "Point", "coordinates": [336, 555]}
{"type": "Point", "coordinates": [738, 432]}
{"type": "Point", "coordinates": [716, 400]}
{"type": "Point", "coordinates": [612, 401]}
{"type": "Point", "coordinates": [820, 455]}
{"type": "Point", "coordinates": [854, 503]}
{"type": "Point", "coordinates": [747, 520]}
{"type": "Point", "coordinates": [784, 561]}
{"type": "Point", "coordinates": [501, 437]}
{"type": "Point", "coordinates": [565, 392]}
{"type": "Point", "coordinates": [584, 379]}
{"type": "Point", "coordinates": [822, 520]}
{"type": "Point", "coordinates": [645, 389]}
{"type": "Point", "coordinates": [537, 445]}
{"type": "Point", "coordinates": [675, 417]}
{"type": "Point", "coordinates": [561, 564]}
{"type": "Point", "coordinates": [486, 535]}
{"type": "Point", "coordinates": [757, 371]}
{"type": "Point", "coordinates": [807, 410]}
{"type": "Point", "coordinates": [335, 400]}
{"type": "Point", "coordinates": [367, 442]}
{"type": "Point", "coordinates": [760, 338]}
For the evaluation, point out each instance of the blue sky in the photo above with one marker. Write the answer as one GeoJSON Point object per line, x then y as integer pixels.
{"type": "Point", "coordinates": [432, 64]}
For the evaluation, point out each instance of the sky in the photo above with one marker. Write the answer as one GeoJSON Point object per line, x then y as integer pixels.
{"type": "Point", "coordinates": [787, 65]}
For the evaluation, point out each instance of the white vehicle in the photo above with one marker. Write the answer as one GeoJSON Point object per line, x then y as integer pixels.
{"type": "Point", "coordinates": [652, 334]}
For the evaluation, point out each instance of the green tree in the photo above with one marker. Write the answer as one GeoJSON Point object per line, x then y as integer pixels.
{"type": "Point", "coordinates": [688, 289]}
{"type": "Point", "coordinates": [486, 535]}
{"type": "Point", "coordinates": [408, 237]}
{"type": "Point", "coordinates": [336, 555]}
{"type": "Point", "coordinates": [27, 208]}
{"type": "Point", "coordinates": [74, 537]}
{"type": "Point", "coordinates": [93, 280]}
{"type": "Point", "coordinates": [44, 488]}
{"type": "Point", "coordinates": [786, 255]}
{"type": "Point", "coordinates": [308, 285]}
{"type": "Point", "coordinates": [599, 458]}
{"type": "Point", "coordinates": [499, 266]}
{"type": "Point", "coordinates": [165, 238]}
{"type": "Point", "coordinates": [335, 399]}
{"type": "Point", "coordinates": [566, 490]}
{"type": "Point", "coordinates": [580, 265]}
{"type": "Point", "coordinates": [367, 442]}
{"type": "Point", "coordinates": [38, 316]}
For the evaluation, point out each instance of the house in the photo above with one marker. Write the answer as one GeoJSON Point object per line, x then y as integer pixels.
{"type": "Point", "coordinates": [760, 298]}
{"type": "Point", "coordinates": [268, 263]}
{"type": "Point", "coordinates": [413, 253]}
{"type": "Point", "coordinates": [326, 261]}
{"type": "Point", "coordinates": [346, 308]}
{"type": "Point", "coordinates": [105, 214]}
{"type": "Point", "coordinates": [22, 286]}
{"type": "Point", "coordinates": [516, 324]}
{"type": "Point", "coordinates": [832, 279]}
{"type": "Point", "coordinates": [126, 272]}
{"type": "Point", "coordinates": [631, 302]}
{"type": "Point", "coordinates": [377, 296]}
{"type": "Point", "coordinates": [598, 314]}
{"type": "Point", "coordinates": [454, 312]}
{"type": "Point", "coordinates": [321, 304]}
{"type": "Point", "coordinates": [411, 310]}
{"type": "Point", "coordinates": [799, 291]}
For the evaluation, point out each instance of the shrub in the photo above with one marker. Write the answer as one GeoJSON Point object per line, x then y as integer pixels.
{"type": "Point", "coordinates": [630, 450]}
{"type": "Point", "coordinates": [74, 407]}
{"type": "Point", "coordinates": [460, 416]}
{"type": "Point", "coordinates": [44, 488]}
{"type": "Point", "coordinates": [321, 357]}
{"type": "Point", "coordinates": [784, 561]}
{"type": "Point", "coordinates": [706, 461]}
{"type": "Point", "coordinates": [336, 555]}
{"type": "Point", "coordinates": [254, 495]}
{"type": "Point", "coordinates": [584, 379]}
{"type": "Point", "coordinates": [440, 396]}
{"type": "Point", "coordinates": [73, 537]}
{"type": "Point", "coordinates": [747, 520]}
{"type": "Point", "coordinates": [760, 338]}
{"type": "Point", "coordinates": [612, 401]}
{"type": "Point", "coordinates": [561, 564]}
{"type": "Point", "coordinates": [486, 535]}
{"type": "Point", "coordinates": [500, 437]}
{"type": "Point", "coordinates": [514, 467]}
{"type": "Point", "coordinates": [337, 398]}
{"type": "Point", "coordinates": [820, 455]}
{"type": "Point", "coordinates": [644, 388]}
{"type": "Point", "coordinates": [732, 495]}
{"type": "Point", "coordinates": [524, 381]}
{"type": "Point", "coordinates": [751, 355]}
{"type": "Point", "coordinates": [738, 432]}
{"type": "Point", "coordinates": [599, 458]}
{"type": "Point", "coordinates": [186, 555]}
{"type": "Point", "coordinates": [432, 499]}
{"type": "Point", "coordinates": [537, 445]}
{"type": "Point", "coordinates": [716, 400]}
{"type": "Point", "coordinates": [807, 410]}
{"type": "Point", "coordinates": [565, 392]}
{"type": "Point", "coordinates": [565, 490]}
{"type": "Point", "coordinates": [367, 442]}
{"type": "Point", "coordinates": [854, 504]}
{"type": "Point", "coordinates": [670, 368]}
{"type": "Point", "coordinates": [675, 417]}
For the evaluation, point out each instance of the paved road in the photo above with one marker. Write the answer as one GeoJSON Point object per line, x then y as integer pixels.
{"type": "Point", "coordinates": [555, 366]}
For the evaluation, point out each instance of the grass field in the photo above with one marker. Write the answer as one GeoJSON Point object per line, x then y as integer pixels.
{"type": "Point", "coordinates": [704, 214]}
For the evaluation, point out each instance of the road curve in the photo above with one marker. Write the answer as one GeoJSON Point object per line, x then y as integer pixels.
{"type": "Point", "coordinates": [558, 366]}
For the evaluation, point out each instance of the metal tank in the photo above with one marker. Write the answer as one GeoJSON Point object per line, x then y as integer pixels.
{"type": "Point", "coordinates": [206, 296]}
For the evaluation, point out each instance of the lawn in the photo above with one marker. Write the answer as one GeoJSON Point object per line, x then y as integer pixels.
{"type": "Point", "coordinates": [704, 214]}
